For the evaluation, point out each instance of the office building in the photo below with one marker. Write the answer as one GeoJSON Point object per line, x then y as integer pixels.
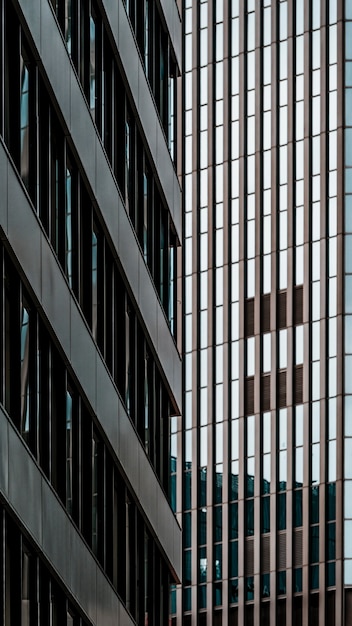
{"type": "Point", "coordinates": [267, 300]}
{"type": "Point", "coordinates": [90, 372]}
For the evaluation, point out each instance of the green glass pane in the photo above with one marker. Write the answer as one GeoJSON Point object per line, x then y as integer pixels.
{"type": "Point", "coordinates": [314, 577]}
{"type": "Point", "coordinates": [233, 559]}
{"type": "Point", "coordinates": [297, 507]}
{"type": "Point", "coordinates": [331, 541]}
{"type": "Point", "coordinates": [281, 583]}
{"type": "Point", "coordinates": [233, 521]}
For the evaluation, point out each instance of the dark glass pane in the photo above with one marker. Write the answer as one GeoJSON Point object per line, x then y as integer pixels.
{"type": "Point", "coordinates": [281, 511]}
{"type": "Point", "coordinates": [331, 512]}
{"type": "Point", "coordinates": [249, 588]}
{"type": "Point", "coordinates": [314, 577]}
{"type": "Point", "coordinates": [250, 517]}
{"type": "Point", "coordinates": [203, 487]}
{"type": "Point", "coordinates": [281, 583]}
{"type": "Point", "coordinates": [233, 591]}
{"type": "Point", "coordinates": [218, 594]}
{"type": "Point", "coordinates": [266, 586]}
{"type": "Point", "coordinates": [187, 567]}
{"type": "Point", "coordinates": [202, 595]}
{"type": "Point", "coordinates": [266, 514]}
{"type": "Point", "coordinates": [265, 615]}
{"type": "Point", "coordinates": [187, 599]}
{"type": "Point", "coordinates": [314, 505]}
{"type": "Point", "coordinates": [233, 559]}
{"type": "Point", "coordinates": [281, 612]}
{"type": "Point", "coordinates": [187, 490]}
{"type": "Point", "coordinates": [297, 610]}
{"type": "Point", "coordinates": [331, 541]}
{"type": "Point", "coordinates": [202, 521]}
{"type": "Point", "coordinates": [314, 544]}
{"type": "Point", "coordinates": [297, 507]}
{"type": "Point", "coordinates": [297, 580]}
{"type": "Point", "coordinates": [218, 487]}
{"type": "Point", "coordinates": [233, 526]}
{"type": "Point", "coordinates": [234, 487]}
{"type": "Point", "coordinates": [218, 562]}
{"type": "Point", "coordinates": [314, 610]}
{"type": "Point", "coordinates": [330, 575]}
{"type": "Point", "coordinates": [187, 530]}
{"type": "Point", "coordinates": [217, 523]}
{"type": "Point", "coordinates": [202, 565]}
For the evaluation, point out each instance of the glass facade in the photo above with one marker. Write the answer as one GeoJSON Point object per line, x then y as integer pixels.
{"type": "Point", "coordinates": [90, 371]}
{"type": "Point", "coordinates": [267, 258]}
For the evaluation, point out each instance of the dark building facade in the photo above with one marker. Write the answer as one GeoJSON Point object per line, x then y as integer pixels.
{"type": "Point", "coordinates": [90, 373]}
{"type": "Point", "coordinates": [267, 304]}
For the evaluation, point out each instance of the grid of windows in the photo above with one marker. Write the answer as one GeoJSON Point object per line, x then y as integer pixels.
{"type": "Point", "coordinates": [263, 310]}
{"type": "Point", "coordinates": [44, 159]}
{"type": "Point", "coordinates": [42, 399]}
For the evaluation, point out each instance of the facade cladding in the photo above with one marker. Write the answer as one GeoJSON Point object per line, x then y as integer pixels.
{"type": "Point", "coordinates": [90, 373]}
{"type": "Point", "coordinates": [267, 473]}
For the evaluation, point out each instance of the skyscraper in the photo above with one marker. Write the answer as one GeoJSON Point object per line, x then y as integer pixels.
{"type": "Point", "coordinates": [267, 300]}
{"type": "Point", "coordinates": [90, 373]}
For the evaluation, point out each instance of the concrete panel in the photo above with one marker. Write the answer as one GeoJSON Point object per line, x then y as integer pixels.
{"type": "Point", "coordinates": [23, 231]}
{"type": "Point", "coordinates": [56, 298]}
{"type": "Point", "coordinates": [25, 486]}
{"type": "Point", "coordinates": [107, 193]}
{"type": "Point", "coordinates": [56, 532]}
{"type": "Point", "coordinates": [150, 489]}
{"type": "Point", "coordinates": [173, 22]}
{"type": "Point", "coordinates": [112, 9]}
{"type": "Point", "coordinates": [148, 300]}
{"type": "Point", "coordinates": [128, 451]}
{"type": "Point", "coordinates": [107, 602]}
{"type": "Point", "coordinates": [83, 576]}
{"type": "Point", "coordinates": [128, 52]}
{"type": "Point", "coordinates": [83, 355]}
{"type": "Point", "coordinates": [54, 56]}
{"type": "Point", "coordinates": [128, 252]}
{"type": "Point", "coordinates": [147, 111]}
{"type": "Point", "coordinates": [124, 618]}
{"type": "Point", "coordinates": [3, 187]}
{"type": "Point", "coordinates": [31, 12]}
{"type": "Point", "coordinates": [82, 131]}
{"type": "Point", "coordinates": [4, 454]}
{"type": "Point", "coordinates": [177, 209]}
{"type": "Point", "coordinates": [107, 404]}
{"type": "Point", "coordinates": [165, 346]}
{"type": "Point", "coordinates": [165, 170]}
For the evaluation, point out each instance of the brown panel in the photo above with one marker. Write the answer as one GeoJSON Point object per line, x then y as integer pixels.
{"type": "Point", "coordinates": [281, 309]}
{"type": "Point", "coordinates": [249, 317]}
{"type": "Point", "coordinates": [265, 313]}
{"type": "Point", "coordinates": [265, 554]}
{"type": "Point", "coordinates": [281, 388]}
{"type": "Point", "coordinates": [348, 606]}
{"type": "Point", "coordinates": [265, 392]}
{"type": "Point", "coordinates": [298, 305]}
{"type": "Point", "coordinates": [249, 556]}
{"type": "Point", "coordinates": [297, 548]}
{"type": "Point", "coordinates": [281, 551]}
{"type": "Point", "coordinates": [233, 616]}
{"type": "Point", "coordinates": [330, 609]}
{"type": "Point", "coordinates": [298, 389]}
{"type": "Point", "coordinates": [249, 397]}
